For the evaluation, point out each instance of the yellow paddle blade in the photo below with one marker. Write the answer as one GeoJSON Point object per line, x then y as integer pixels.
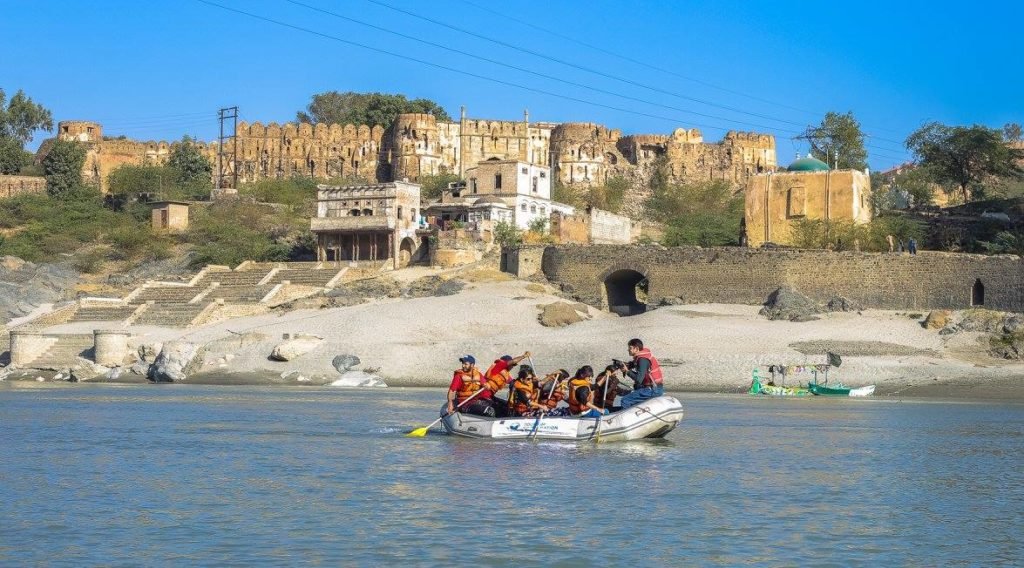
{"type": "Point", "coordinates": [417, 433]}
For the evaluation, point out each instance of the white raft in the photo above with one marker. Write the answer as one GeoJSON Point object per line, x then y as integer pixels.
{"type": "Point", "coordinates": [653, 418]}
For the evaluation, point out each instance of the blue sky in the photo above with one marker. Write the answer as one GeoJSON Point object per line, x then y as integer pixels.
{"type": "Point", "coordinates": [160, 70]}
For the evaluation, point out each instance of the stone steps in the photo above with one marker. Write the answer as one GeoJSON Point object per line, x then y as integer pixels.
{"type": "Point", "coordinates": [64, 352]}
{"type": "Point", "coordinates": [104, 313]}
{"type": "Point", "coordinates": [240, 294]}
{"type": "Point", "coordinates": [167, 294]}
{"type": "Point", "coordinates": [307, 277]}
{"type": "Point", "coordinates": [170, 315]}
{"type": "Point", "coordinates": [242, 278]}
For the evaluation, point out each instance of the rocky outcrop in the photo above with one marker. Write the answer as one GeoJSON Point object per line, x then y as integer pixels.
{"type": "Point", "coordinates": [24, 286]}
{"type": "Point", "coordinates": [433, 286]}
{"type": "Point", "coordinates": [358, 379]}
{"type": "Point", "coordinates": [561, 314]}
{"type": "Point", "coordinates": [174, 363]}
{"type": "Point", "coordinates": [786, 303]}
{"type": "Point", "coordinates": [296, 346]}
{"type": "Point", "coordinates": [937, 319]}
{"type": "Point", "coordinates": [1007, 346]}
{"type": "Point", "coordinates": [345, 363]}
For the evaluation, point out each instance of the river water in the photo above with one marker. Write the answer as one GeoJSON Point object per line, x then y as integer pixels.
{"type": "Point", "coordinates": [202, 475]}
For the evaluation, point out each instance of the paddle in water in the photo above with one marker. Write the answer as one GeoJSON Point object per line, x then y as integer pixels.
{"type": "Point", "coordinates": [421, 432]}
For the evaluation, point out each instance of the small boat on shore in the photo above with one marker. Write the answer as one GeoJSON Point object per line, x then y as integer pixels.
{"type": "Point", "coordinates": [771, 389]}
{"type": "Point", "coordinates": [652, 418]}
{"type": "Point", "coordinates": [840, 390]}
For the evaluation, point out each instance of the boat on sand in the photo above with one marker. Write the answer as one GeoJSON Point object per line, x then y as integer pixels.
{"type": "Point", "coordinates": [653, 418]}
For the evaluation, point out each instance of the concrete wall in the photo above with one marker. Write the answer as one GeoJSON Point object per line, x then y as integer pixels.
{"type": "Point", "coordinates": [928, 280]}
{"type": "Point", "coordinates": [524, 261]}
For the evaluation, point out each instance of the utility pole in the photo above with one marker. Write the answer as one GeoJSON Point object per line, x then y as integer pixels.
{"type": "Point", "coordinates": [224, 115]}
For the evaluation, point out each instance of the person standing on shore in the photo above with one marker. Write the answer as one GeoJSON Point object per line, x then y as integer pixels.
{"type": "Point", "coordinates": [912, 245]}
{"type": "Point", "coordinates": [645, 372]}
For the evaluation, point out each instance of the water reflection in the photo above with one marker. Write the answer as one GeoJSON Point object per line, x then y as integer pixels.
{"type": "Point", "coordinates": [249, 475]}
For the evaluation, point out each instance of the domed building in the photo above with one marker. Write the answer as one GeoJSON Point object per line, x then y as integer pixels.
{"type": "Point", "coordinates": [808, 189]}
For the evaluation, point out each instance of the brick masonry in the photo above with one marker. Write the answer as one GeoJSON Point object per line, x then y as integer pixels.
{"type": "Point", "coordinates": [928, 280]}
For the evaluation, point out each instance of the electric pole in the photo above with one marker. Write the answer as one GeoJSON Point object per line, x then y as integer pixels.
{"type": "Point", "coordinates": [225, 115]}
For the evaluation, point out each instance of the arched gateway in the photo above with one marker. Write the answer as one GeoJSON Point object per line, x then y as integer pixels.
{"type": "Point", "coordinates": [626, 292]}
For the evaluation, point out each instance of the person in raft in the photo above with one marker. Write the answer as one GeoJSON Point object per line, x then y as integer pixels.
{"type": "Point", "coordinates": [606, 388]}
{"type": "Point", "coordinates": [645, 372]}
{"type": "Point", "coordinates": [551, 391]}
{"type": "Point", "coordinates": [524, 394]}
{"type": "Point", "coordinates": [581, 394]}
{"type": "Point", "coordinates": [497, 376]}
{"type": "Point", "coordinates": [465, 383]}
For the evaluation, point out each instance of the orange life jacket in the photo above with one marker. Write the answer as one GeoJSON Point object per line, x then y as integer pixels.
{"type": "Point", "coordinates": [558, 395]}
{"type": "Point", "coordinates": [654, 376]}
{"type": "Point", "coordinates": [496, 380]}
{"type": "Point", "coordinates": [522, 389]}
{"type": "Point", "coordinates": [577, 406]}
{"type": "Point", "coordinates": [471, 382]}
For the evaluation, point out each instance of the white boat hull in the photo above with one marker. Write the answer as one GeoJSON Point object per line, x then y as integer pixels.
{"type": "Point", "coordinates": [652, 418]}
{"type": "Point", "coordinates": [863, 391]}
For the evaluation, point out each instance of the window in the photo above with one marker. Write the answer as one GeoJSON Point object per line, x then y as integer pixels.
{"type": "Point", "coordinates": [354, 213]}
{"type": "Point", "coordinates": [533, 209]}
{"type": "Point", "coordinates": [497, 181]}
{"type": "Point", "coordinates": [523, 207]}
{"type": "Point", "coordinates": [412, 214]}
{"type": "Point", "coordinates": [796, 202]}
{"type": "Point", "coordinates": [535, 184]}
{"type": "Point", "coordinates": [367, 212]}
{"type": "Point", "coordinates": [543, 174]}
{"type": "Point", "coordinates": [399, 212]}
{"type": "Point", "coordinates": [472, 182]}
{"type": "Point", "coordinates": [525, 171]}
{"type": "Point", "coordinates": [543, 210]}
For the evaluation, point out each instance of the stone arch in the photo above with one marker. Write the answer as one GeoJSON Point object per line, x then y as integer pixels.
{"type": "Point", "coordinates": [624, 289]}
{"type": "Point", "coordinates": [978, 293]}
{"type": "Point", "coordinates": [405, 252]}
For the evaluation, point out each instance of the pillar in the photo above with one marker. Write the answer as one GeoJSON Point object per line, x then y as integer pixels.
{"type": "Point", "coordinates": [110, 346]}
{"type": "Point", "coordinates": [27, 346]}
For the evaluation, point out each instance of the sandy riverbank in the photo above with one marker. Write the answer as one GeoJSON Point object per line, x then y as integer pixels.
{"type": "Point", "coordinates": [704, 348]}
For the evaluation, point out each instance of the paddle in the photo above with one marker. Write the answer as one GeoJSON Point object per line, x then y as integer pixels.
{"type": "Point", "coordinates": [421, 432]}
{"type": "Point", "coordinates": [536, 423]}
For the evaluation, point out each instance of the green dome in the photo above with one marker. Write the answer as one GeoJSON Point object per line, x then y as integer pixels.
{"type": "Point", "coordinates": [808, 164]}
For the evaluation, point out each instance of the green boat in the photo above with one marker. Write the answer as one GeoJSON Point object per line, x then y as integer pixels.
{"type": "Point", "coordinates": [840, 390]}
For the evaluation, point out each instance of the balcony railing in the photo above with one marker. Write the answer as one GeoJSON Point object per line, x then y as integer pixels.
{"type": "Point", "coordinates": [351, 223]}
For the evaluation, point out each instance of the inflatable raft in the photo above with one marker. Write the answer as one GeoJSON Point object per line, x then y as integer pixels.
{"type": "Point", "coordinates": [652, 418]}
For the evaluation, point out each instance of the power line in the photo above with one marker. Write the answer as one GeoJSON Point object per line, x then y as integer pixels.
{"type": "Point", "coordinates": [531, 72]}
{"type": "Point", "coordinates": [452, 69]}
{"type": "Point", "coordinates": [575, 66]}
{"type": "Point", "coordinates": [632, 60]}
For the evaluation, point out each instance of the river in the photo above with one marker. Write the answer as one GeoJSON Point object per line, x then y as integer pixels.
{"type": "Point", "coordinates": [203, 475]}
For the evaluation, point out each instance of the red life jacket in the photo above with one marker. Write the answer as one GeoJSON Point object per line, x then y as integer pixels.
{"type": "Point", "coordinates": [577, 406]}
{"type": "Point", "coordinates": [471, 382]}
{"type": "Point", "coordinates": [654, 376]}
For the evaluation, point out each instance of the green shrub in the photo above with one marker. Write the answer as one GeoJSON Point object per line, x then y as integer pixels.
{"type": "Point", "coordinates": [90, 261]}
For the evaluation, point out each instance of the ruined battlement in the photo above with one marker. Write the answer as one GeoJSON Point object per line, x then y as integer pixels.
{"type": "Point", "coordinates": [80, 131]}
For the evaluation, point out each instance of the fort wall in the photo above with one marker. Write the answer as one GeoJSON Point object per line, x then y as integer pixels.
{"type": "Point", "coordinates": [11, 186]}
{"type": "Point", "coordinates": [927, 280]}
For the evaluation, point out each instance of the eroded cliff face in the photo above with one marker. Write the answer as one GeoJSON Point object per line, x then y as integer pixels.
{"type": "Point", "coordinates": [24, 286]}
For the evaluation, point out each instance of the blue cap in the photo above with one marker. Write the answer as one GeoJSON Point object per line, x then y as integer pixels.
{"type": "Point", "coordinates": [506, 357]}
{"type": "Point", "coordinates": [467, 359]}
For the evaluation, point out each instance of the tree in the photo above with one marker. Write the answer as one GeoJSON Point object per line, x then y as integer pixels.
{"type": "Point", "coordinates": [1012, 132]}
{"type": "Point", "coordinates": [609, 196]}
{"type": "Point", "coordinates": [705, 213]}
{"type": "Point", "coordinates": [62, 167]}
{"type": "Point", "coordinates": [838, 141]}
{"type": "Point", "coordinates": [21, 117]}
{"type": "Point", "coordinates": [131, 179]}
{"type": "Point", "coordinates": [432, 186]}
{"type": "Point", "coordinates": [965, 156]}
{"type": "Point", "coordinates": [12, 156]}
{"type": "Point", "coordinates": [371, 109]}
{"type": "Point", "coordinates": [190, 163]}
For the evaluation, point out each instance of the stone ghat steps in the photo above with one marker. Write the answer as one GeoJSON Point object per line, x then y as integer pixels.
{"type": "Point", "coordinates": [240, 294]}
{"type": "Point", "coordinates": [308, 277]}
{"type": "Point", "coordinates": [226, 278]}
{"type": "Point", "coordinates": [167, 294]}
{"type": "Point", "coordinates": [171, 315]}
{"type": "Point", "coordinates": [64, 352]}
{"type": "Point", "coordinates": [104, 313]}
